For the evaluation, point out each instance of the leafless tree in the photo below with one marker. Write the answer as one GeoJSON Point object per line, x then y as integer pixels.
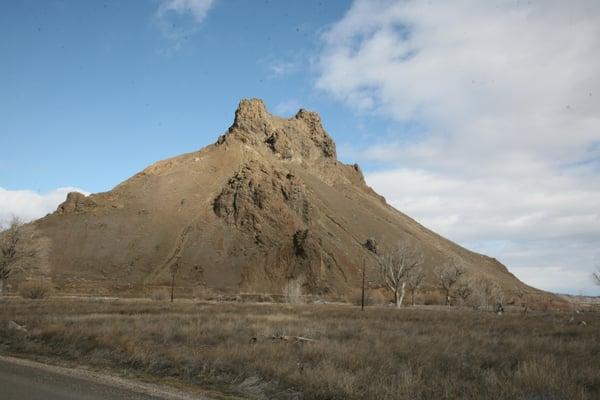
{"type": "Point", "coordinates": [414, 282]}
{"type": "Point", "coordinates": [522, 297]}
{"type": "Point", "coordinates": [497, 297]}
{"type": "Point", "coordinates": [489, 294]}
{"type": "Point", "coordinates": [11, 251]}
{"type": "Point", "coordinates": [448, 275]}
{"type": "Point", "coordinates": [596, 277]}
{"type": "Point", "coordinates": [479, 298]}
{"type": "Point", "coordinates": [395, 267]}
{"type": "Point", "coordinates": [464, 290]}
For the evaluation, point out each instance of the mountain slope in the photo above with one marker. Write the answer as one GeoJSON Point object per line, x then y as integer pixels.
{"type": "Point", "coordinates": [265, 205]}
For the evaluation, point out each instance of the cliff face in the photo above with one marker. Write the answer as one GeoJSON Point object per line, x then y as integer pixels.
{"type": "Point", "coordinates": [266, 205]}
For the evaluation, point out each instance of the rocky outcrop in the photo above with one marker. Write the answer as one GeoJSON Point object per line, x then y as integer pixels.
{"type": "Point", "coordinates": [76, 203]}
{"type": "Point", "coordinates": [301, 138]}
{"type": "Point", "coordinates": [264, 202]}
{"type": "Point", "coordinates": [316, 133]}
{"type": "Point", "coordinates": [300, 243]}
{"type": "Point", "coordinates": [371, 245]}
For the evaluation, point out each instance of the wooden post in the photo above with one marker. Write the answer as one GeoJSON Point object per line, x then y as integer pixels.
{"type": "Point", "coordinates": [174, 268]}
{"type": "Point", "coordinates": [172, 284]}
{"type": "Point", "coordinates": [362, 299]}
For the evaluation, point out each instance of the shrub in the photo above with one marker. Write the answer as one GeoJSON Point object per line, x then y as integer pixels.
{"type": "Point", "coordinates": [432, 298]}
{"type": "Point", "coordinates": [160, 294]}
{"type": "Point", "coordinates": [35, 290]}
{"type": "Point", "coordinates": [356, 298]}
{"type": "Point", "coordinates": [372, 298]}
{"type": "Point", "coordinates": [203, 293]}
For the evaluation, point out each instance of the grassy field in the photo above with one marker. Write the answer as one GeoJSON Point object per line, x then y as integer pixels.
{"type": "Point", "coordinates": [381, 353]}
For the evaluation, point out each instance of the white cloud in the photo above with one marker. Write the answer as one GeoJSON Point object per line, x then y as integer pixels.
{"type": "Point", "coordinates": [197, 8]}
{"type": "Point", "coordinates": [178, 20]}
{"type": "Point", "coordinates": [546, 232]}
{"type": "Point", "coordinates": [507, 93]}
{"type": "Point", "coordinates": [29, 205]}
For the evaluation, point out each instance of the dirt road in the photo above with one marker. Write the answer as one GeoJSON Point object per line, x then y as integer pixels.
{"type": "Point", "coordinates": [26, 380]}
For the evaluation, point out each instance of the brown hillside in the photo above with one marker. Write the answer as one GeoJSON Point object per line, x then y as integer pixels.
{"type": "Point", "coordinates": [267, 204]}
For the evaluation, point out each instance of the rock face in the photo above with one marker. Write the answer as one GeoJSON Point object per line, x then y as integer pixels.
{"type": "Point", "coordinates": [75, 203]}
{"type": "Point", "coordinates": [267, 204]}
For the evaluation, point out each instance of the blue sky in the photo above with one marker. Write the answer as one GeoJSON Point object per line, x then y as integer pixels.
{"type": "Point", "coordinates": [95, 91]}
{"type": "Point", "coordinates": [479, 119]}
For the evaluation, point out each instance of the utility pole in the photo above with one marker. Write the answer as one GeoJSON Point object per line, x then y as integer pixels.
{"type": "Point", "coordinates": [362, 299]}
{"type": "Point", "coordinates": [174, 268]}
{"type": "Point", "coordinates": [173, 284]}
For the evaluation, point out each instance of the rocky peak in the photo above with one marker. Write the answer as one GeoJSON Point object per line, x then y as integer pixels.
{"type": "Point", "coordinates": [300, 138]}
{"type": "Point", "coordinates": [311, 118]}
{"type": "Point", "coordinates": [251, 115]}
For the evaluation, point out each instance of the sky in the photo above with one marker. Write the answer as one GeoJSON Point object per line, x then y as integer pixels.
{"type": "Point", "coordinates": [481, 120]}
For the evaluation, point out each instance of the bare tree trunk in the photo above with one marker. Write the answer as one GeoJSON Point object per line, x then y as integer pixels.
{"type": "Point", "coordinates": [402, 291]}
{"type": "Point", "coordinates": [412, 297]}
{"type": "Point", "coordinates": [447, 297]}
{"type": "Point", "coordinates": [3, 287]}
{"type": "Point", "coordinates": [396, 298]}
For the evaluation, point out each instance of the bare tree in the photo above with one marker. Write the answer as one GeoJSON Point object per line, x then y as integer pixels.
{"type": "Point", "coordinates": [464, 290]}
{"type": "Point", "coordinates": [488, 294]}
{"type": "Point", "coordinates": [414, 282]}
{"type": "Point", "coordinates": [596, 277]}
{"type": "Point", "coordinates": [395, 267]}
{"type": "Point", "coordinates": [497, 297]}
{"type": "Point", "coordinates": [522, 297]}
{"type": "Point", "coordinates": [479, 298]}
{"type": "Point", "coordinates": [448, 276]}
{"type": "Point", "coordinates": [11, 251]}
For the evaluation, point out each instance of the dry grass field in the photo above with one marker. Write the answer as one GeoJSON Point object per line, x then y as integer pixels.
{"type": "Point", "coordinates": [381, 353]}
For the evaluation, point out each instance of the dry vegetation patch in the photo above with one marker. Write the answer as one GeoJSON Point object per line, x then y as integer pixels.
{"type": "Point", "coordinates": [381, 353]}
{"type": "Point", "coordinates": [35, 290]}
